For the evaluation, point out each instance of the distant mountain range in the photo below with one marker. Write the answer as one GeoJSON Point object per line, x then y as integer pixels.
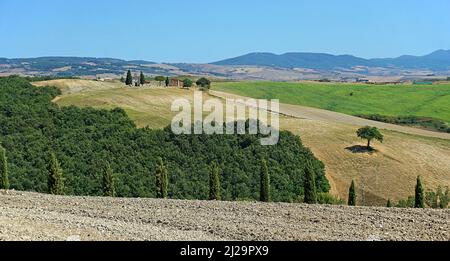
{"type": "Point", "coordinates": [253, 66]}
{"type": "Point", "coordinates": [436, 61]}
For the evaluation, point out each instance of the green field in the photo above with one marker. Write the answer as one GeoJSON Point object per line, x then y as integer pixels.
{"type": "Point", "coordinates": [354, 99]}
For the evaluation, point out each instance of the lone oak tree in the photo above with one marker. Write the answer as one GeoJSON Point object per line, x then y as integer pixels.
{"type": "Point", "coordinates": [370, 133]}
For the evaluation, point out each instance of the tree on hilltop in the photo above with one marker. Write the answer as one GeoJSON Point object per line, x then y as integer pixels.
{"type": "Point", "coordinates": [142, 78]}
{"type": "Point", "coordinates": [187, 83]}
{"type": "Point", "coordinates": [160, 79]}
{"type": "Point", "coordinates": [203, 83]}
{"type": "Point", "coordinates": [129, 79]}
{"type": "Point", "coordinates": [167, 82]}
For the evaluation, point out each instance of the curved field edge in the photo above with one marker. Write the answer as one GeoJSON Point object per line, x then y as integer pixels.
{"type": "Point", "coordinates": [353, 99]}
{"type": "Point", "coordinates": [389, 173]}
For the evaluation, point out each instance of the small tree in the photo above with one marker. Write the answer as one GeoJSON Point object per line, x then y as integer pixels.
{"type": "Point", "coordinates": [389, 204]}
{"type": "Point", "coordinates": [162, 180]}
{"type": "Point", "coordinates": [310, 184]}
{"type": "Point", "coordinates": [444, 199]}
{"type": "Point", "coordinates": [167, 81]}
{"type": "Point", "coordinates": [214, 182]}
{"type": "Point", "coordinates": [122, 79]}
{"type": "Point", "coordinates": [142, 78]}
{"type": "Point", "coordinates": [129, 79]}
{"type": "Point", "coordinates": [352, 194]}
{"type": "Point", "coordinates": [419, 195]}
{"type": "Point", "coordinates": [108, 187]}
{"type": "Point", "coordinates": [265, 182]}
{"type": "Point", "coordinates": [204, 83]}
{"type": "Point", "coordinates": [160, 79]}
{"type": "Point", "coordinates": [4, 181]}
{"type": "Point", "coordinates": [55, 177]}
{"type": "Point", "coordinates": [187, 83]}
{"type": "Point", "coordinates": [369, 134]}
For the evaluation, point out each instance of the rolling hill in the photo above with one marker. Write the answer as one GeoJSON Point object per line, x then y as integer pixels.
{"type": "Point", "coordinates": [388, 173]}
{"type": "Point", "coordinates": [438, 61]}
{"type": "Point", "coordinates": [253, 66]}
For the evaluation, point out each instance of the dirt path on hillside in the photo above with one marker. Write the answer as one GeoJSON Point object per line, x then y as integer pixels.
{"type": "Point", "coordinates": [31, 216]}
{"type": "Point", "coordinates": [309, 113]}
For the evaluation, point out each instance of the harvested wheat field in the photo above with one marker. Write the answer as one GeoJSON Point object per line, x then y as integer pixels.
{"type": "Point", "coordinates": [388, 173]}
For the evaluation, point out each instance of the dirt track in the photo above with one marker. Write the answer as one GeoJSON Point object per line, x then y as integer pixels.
{"type": "Point", "coordinates": [30, 216]}
{"type": "Point", "coordinates": [330, 116]}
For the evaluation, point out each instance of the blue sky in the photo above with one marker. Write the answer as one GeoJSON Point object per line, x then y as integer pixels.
{"type": "Point", "coordinates": [210, 30]}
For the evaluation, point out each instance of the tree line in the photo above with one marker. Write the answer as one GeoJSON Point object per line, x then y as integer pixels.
{"type": "Point", "coordinates": [203, 83]}
{"type": "Point", "coordinates": [97, 149]}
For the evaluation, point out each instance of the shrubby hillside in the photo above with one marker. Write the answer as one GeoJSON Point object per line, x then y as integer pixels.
{"type": "Point", "coordinates": [31, 127]}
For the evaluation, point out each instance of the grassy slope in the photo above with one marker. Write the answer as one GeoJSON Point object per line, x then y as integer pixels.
{"type": "Point", "coordinates": [391, 100]}
{"type": "Point", "coordinates": [388, 173]}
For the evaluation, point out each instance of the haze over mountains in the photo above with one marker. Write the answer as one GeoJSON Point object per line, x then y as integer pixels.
{"type": "Point", "coordinates": [438, 61]}
{"type": "Point", "coordinates": [253, 66]}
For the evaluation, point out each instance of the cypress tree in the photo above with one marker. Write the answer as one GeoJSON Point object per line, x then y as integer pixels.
{"type": "Point", "coordinates": [352, 194]}
{"type": "Point", "coordinates": [108, 187]}
{"type": "Point", "coordinates": [162, 180]}
{"type": "Point", "coordinates": [265, 182]}
{"type": "Point", "coordinates": [167, 81]}
{"type": "Point", "coordinates": [142, 78]}
{"type": "Point", "coordinates": [55, 177]}
{"type": "Point", "coordinates": [389, 204]}
{"type": "Point", "coordinates": [129, 79]}
{"type": "Point", "coordinates": [419, 196]}
{"type": "Point", "coordinates": [310, 184]}
{"type": "Point", "coordinates": [214, 182]}
{"type": "Point", "coordinates": [4, 181]}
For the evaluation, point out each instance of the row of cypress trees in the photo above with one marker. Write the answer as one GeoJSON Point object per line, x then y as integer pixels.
{"type": "Point", "coordinates": [310, 193]}
{"type": "Point", "coordinates": [56, 182]}
{"type": "Point", "coordinates": [56, 179]}
{"type": "Point", "coordinates": [419, 197]}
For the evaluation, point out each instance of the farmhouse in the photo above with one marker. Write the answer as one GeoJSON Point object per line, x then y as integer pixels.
{"type": "Point", "coordinates": [175, 82]}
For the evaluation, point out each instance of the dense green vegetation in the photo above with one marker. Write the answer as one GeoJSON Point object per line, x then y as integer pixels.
{"type": "Point", "coordinates": [4, 180]}
{"type": "Point", "coordinates": [432, 199]}
{"type": "Point", "coordinates": [109, 189]}
{"type": "Point", "coordinates": [31, 126]}
{"type": "Point", "coordinates": [265, 182]}
{"type": "Point", "coordinates": [55, 181]}
{"type": "Point", "coordinates": [49, 78]}
{"type": "Point", "coordinates": [310, 185]}
{"type": "Point", "coordinates": [214, 182]}
{"type": "Point", "coordinates": [354, 99]}
{"type": "Point", "coordinates": [423, 122]}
